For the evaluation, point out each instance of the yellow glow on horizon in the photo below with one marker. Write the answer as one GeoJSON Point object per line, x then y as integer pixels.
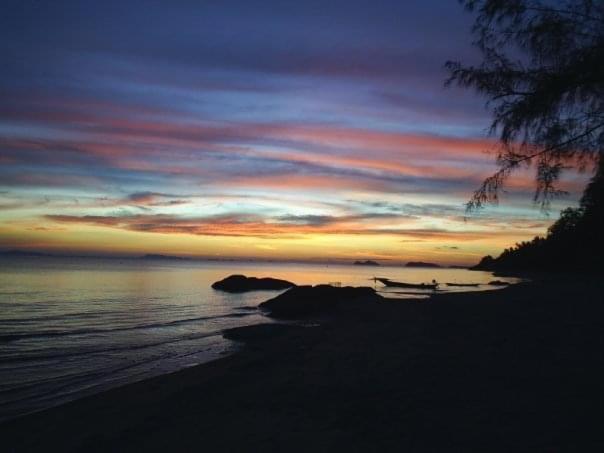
{"type": "Point", "coordinates": [394, 248]}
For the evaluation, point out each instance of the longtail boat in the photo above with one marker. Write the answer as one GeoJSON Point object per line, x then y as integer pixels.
{"type": "Point", "coordinates": [392, 283]}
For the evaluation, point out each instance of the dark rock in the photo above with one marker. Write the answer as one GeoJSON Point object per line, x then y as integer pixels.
{"type": "Point", "coordinates": [306, 301]}
{"type": "Point", "coordinates": [241, 284]}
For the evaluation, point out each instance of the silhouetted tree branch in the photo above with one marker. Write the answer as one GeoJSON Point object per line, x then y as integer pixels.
{"type": "Point", "coordinates": [543, 76]}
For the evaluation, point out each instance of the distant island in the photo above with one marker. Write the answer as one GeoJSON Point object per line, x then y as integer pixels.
{"type": "Point", "coordinates": [366, 263]}
{"type": "Point", "coordinates": [421, 264]}
{"type": "Point", "coordinates": [34, 254]}
{"type": "Point", "coordinates": [153, 256]}
{"type": "Point", "coordinates": [18, 253]}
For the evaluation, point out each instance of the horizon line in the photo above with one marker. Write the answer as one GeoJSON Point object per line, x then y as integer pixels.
{"type": "Point", "coordinates": [160, 256]}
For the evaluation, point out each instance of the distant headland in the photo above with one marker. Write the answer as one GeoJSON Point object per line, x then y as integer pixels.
{"type": "Point", "coordinates": [154, 256]}
{"type": "Point", "coordinates": [19, 253]}
{"type": "Point", "coordinates": [366, 263]}
{"type": "Point", "coordinates": [68, 254]}
{"type": "Point", "coordinates": [421, 264]}
{"type": "Point", "coordinates": [36, 254]}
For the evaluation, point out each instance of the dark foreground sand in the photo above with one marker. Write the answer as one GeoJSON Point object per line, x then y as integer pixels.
{"type": "Point", "coordinates": [512, 370]}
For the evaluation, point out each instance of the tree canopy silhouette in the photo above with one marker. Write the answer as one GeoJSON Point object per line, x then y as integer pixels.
{"type": "Point", "coordinates": [543, 75]}
{"type": "Point", "coordinates": [573, 243]}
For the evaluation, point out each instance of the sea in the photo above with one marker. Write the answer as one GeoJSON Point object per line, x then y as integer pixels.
{"type": "Point", "coordinates": [71, 327]}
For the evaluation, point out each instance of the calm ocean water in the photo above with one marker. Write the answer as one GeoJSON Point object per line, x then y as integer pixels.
{"type": "Point", "coordinates": [72, 327]}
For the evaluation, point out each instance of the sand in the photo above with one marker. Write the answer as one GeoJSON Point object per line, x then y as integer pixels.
{"type": "Point", "coordinates": [517, 369]}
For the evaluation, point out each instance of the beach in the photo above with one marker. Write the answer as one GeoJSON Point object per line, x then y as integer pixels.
{"type": "Point", "coordinates": [518, 369]}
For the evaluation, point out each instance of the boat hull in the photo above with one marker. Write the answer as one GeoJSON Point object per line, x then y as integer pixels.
{"type": "Point", "coordinates": [394, 284]}
{"type": "Point", "coordinates": [473, 285]}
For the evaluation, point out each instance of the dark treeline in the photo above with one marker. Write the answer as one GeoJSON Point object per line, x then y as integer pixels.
{"type": "Point", "coordinates": [573, 243]}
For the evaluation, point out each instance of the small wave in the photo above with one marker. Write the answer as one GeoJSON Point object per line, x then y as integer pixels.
{"type": "Point", "coordinates": [60, 355]}
{"type": "Point", "coordinates": [60, 317]}
{"type": "Point", "coordinates": [7, 338]}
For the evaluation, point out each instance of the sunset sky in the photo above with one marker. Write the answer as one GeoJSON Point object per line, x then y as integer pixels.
{"type": "Point", "coordinates": [307, 130]}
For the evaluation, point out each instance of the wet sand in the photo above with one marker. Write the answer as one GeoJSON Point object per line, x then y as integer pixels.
{"type": "Point", "coordinates": [518, 369]}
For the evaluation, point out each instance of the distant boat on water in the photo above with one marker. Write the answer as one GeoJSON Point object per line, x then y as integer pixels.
{"type": "Point", "coordinates": [395, 284]}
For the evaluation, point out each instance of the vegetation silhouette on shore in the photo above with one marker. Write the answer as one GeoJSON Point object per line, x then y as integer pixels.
{"type": "Point", "coordinates": [573, 242]}
{"type": "Point", "coordinates": [543, 76]}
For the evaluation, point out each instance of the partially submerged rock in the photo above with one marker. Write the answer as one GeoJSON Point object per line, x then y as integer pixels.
{"type": "Point", "coordinates": [241, 284]}
{"type": "Point", "coordinates": [305, 301]}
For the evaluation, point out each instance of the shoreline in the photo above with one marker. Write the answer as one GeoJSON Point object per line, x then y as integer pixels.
{"type": "Point", "coordinates": [69, 381]}
{"type": "Point", "coordinates": [102, 387]}
{"type": "Point", "coordinates": [386, 375]}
